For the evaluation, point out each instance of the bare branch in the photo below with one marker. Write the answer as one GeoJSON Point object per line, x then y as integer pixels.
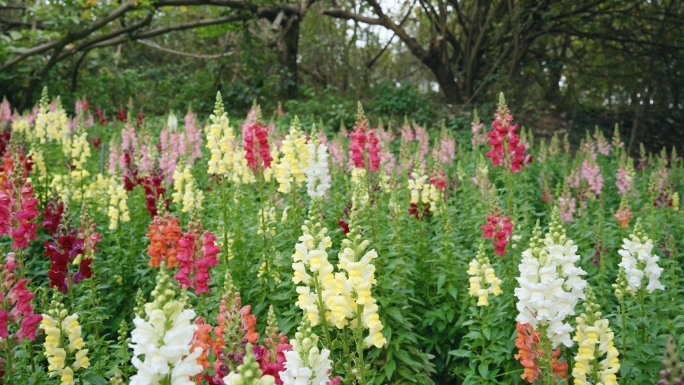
{"type": "Point", "coordinates": [339, 13]}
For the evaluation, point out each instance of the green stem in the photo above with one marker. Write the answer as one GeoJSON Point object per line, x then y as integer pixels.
{"type": "Point", "coordinates": [93, 298]}
{"type": "Point", "coordinates": [10, 364]}
{"type": "Point", "coordinates": [359, 344]}
{"type": "Point", "coordinates": [20, 258]}
{"type": "Point", "coordinates": [484, 339]}
{"type": "Point", "coordinates": [624, 329]}
{"type": "Point", "coordinates": [321, 311]}
{"type": "Point", "coordinates": [224, 214]}
{"type": "Point", "coordinates": [643, 316]}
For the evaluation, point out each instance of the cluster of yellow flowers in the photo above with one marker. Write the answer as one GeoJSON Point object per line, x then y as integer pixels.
{"type": "Point", "coordinates": [359, 187]}
{"type": "Point", "coordinates": [56, 352]}
{"type": "Point", "coordinates": [21, 126]}
{"type": "Point", "coordinates": [422, 191]}
{"type": "Point", "coordinates": [118, 206]}
{"type": "Point", "coordinates": [591, 331]}
{"type": "Point", "coordinates": [36, 154]}
{"type": "Point", "coordinates": [267, 219]}
{"type": "Point", "coordinates": [220, 139]}
{"type": "Point", "coordinates": [291, 166]}
{"type": "Point", "coordinates": [79, 150]}
{"type": "Point", "coordinates": [346, 299]}
{"type": "Point", "coordinates": [67, 186]}
{"type": "Point", "coordinates": [311, 254]}
{"type": "Point", "coordinates": [482, 274]}
{"type": "Point", "coordinates": [185, 189]}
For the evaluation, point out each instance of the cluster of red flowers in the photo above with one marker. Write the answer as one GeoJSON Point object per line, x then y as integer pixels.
{"type": "Point", "coordinates": [100, 115]}
{"type": "Point", "coordinates": [164, 235]}
{"type": "Point", "coordinates": [257, 149]}
{"type": "Point", "coordinates": [121, 115]}
{"type": "Point", "coordinates": [362, 143]}
{"type": "Point", "coordinates": [196, 260]}
{"type": "Point", "coordinates": [529, 352]}
{"type": "Point", "coordinates": [438, 179]}
{"type": "Point", "coordinates": [153, 185]}
{"type": "Point", "coordinates": [18, 295]}
{"type": "Point", "coordinates": [507, 150]}
{"type": "Point", "coordinates": [498, 228]}
{"type": "Point", "coordinates": [71, 247]}
{"type": "Point", "coordinates": [52, 216]}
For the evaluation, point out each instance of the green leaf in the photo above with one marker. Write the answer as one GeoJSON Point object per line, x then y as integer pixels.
{"type": "Point", "coordinates": [94, 379]}
{"type": "Point", "coordinates": [440, 282]}
{"type": "Point", "coordinates": [389, 368]}
{"type": "Point", "coordinates": [396, 314]}
{"type": "Point", "coordinates": [461, 353]}
{"type": "Point", "coordinates": [484, 370]}
{"type": "Point", "coordinates": [453, 291]}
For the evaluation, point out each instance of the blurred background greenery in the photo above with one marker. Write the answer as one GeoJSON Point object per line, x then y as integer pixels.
{"type": "Point", "coordinates": [565, 66]}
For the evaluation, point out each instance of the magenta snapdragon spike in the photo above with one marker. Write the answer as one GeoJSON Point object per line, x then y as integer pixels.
{"type": "Point", "coordinates": [359, 138]}
{"type": "Point", "coordinates": [506, 148]}
{"type": "Point", "coordinates": [17, 213]}
{"type": "Point", "coordinates": [373, 151]}
{"type": "Point", "coordinates": [195, 257]}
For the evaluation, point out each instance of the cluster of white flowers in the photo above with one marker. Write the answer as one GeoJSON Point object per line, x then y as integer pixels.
{"type": "Point", "coordinates": [305, 364]}
{"type": "Point", "coordinates": [318, 173]}
{"type": "Point", "coordinates": [638, 260]}
{"type": "Point", "coordinates": [164, 337]}
{"type": "Point", "coordinates": [550, 283]}
{"type": "Point", "coordinates": [185, 189]}
{"type": "Point", "coordinates": [290, 168]}
{"type": "Point", "coordinates": [220, 139]}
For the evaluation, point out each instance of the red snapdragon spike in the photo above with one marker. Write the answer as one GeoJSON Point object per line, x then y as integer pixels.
{"type": "Point", "coordinates": [52, 216]}
{"type": "Point", "coordinates": [140, 119]}
{"type": "Point", "coordinates": [498, 228]}
{"type": "Point", "coordinates": [439, 180]}
{"type": "Point", "coordinates": [96, 142]}
{"type": "Point", "coordinates": [358, 144]}
{"type": "Point", "coordinates": [6, 216]}
{"type": "Point", "coordinates": [84, 271]}
{"type": "Point", "coordinates": [153, 190]}
{"type": "Point", "coordinates": [419, 214]}
{"type": "Point", "coordinates": [209, 250]}
{"type": "Point", "coordinates": [344, 225]}
{"type": "Point", "coordinates": [71, 247]}
{"type": "Point", "coordinates": [257, 148]}
{"type": "Point", "coordinates": [121, 115]}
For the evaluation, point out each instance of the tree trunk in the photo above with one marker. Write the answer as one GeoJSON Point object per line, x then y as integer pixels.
{"type": "Point", "coordinates": [444, 75]}
{"type": "Point", "coordinates": [287, 55]}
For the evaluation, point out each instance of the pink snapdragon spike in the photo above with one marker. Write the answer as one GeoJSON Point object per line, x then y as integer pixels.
{"type": "Point", "coordinates": [591, 172]}
{"type": "Point", "coordinates": [193, 136]}
{"type": "Point", "coordinates": [438, 179]}
{"type": "Point", "coordinates": [445, 150]}
{"type": "Point", "coordinates": [373, 151]}
{"type": "Point", "coordinates": [17, 214]}
{"type": "Point", "coordinates": [5, 111]}
{"type": "Point", "coordinates": [602, 145]}
{"type": "Point", "coordinates": [186, 259]}
{"type": "Point", "coordinates": [479, 138]}
{"type": "Point", "coordinates": [208, 252]}
{"type": "Point", "coordinates": [250, 120]}
{"type": "Point", "coordinates": [338, 155]}
{"type": "Point", "coordinates": [567, 205]}
{"type": "Point", "coordinates": [506, 148]}
{"type": "Point", "coordinates": [113, 159]}
{"type": "Point", "coordinates": [257, 148]}
{"type": "Point", "coordinates": [498, 228]}
{"type": "Point", "coordinates": [387, 158]}
{"type": "Point", "coordinates": [170, 151]}
{"type": "Point", "coordinates": [624, 181]}
{"type": "Point", "coordinates": [423, 138]}
{"type": "Point", "coordinates": [17, 304]}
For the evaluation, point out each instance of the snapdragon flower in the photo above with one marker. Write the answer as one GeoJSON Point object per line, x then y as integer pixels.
{"type": "Point", "coordinates": [118, 206]}
{"type": "Point", "coordinates": [220, 139]}
{"type": "Point", "coordinates": [550, 283]}
{"type": "Point", "coordinates": [56, 324]}
{"type": "Point", "coordinates": [593, 332]}
{"type": "Point", "coordinates": [249, 373]}
{"type": "Point", "coordinates": [185, 189]}
{"type": "Point", "coordinates": [306, 364]}
{"type": "Point", "coordinates": [638, 261]}
{"type": "Point", "coordinates": [318, 171]}
{"type": "Point", "coordinates": [482, 274]}
{"type": "Point", "coordinates": [290, 168]}
{"type": "Point", "coordinates": [79, 150]}
{"type": "Point", "coordinates": [164, 337]}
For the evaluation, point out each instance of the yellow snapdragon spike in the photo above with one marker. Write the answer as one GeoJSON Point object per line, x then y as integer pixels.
{"type": "Point", "coordinates": [483, 280]}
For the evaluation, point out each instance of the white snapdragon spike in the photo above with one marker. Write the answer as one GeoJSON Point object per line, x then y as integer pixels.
{"type": "Point", "coordinates": [317, 172]}
{"type": "Point", "coordinates": [220, 139]}
{"type": "Point", "coordinates": [164, 338]}
{"type": "Point", "coordinates": [638, 261]}
{"type": "Point", "coordinates": [550, 283]}
{"type": "Point", "coordinates": [305, 364]}
{"type": "Point", "coordinates": [290, 169]}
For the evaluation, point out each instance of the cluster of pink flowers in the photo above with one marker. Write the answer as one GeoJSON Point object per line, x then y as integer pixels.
{"type": "Point", "coordinates": [506, 148]}
{"type": "Point", "coordinates": [16, 294]}
{"type": "Point", "coordinates": [624, 181]}
{"type": "Point", "coordinates": [196, 259]}
{"type": "Point", "coordinates": [170, 151]}
{"type": "Point", "coordinates": [387, 158]}
{"type": "Point", "coordinates": [17, 214]}
{"type": "Point", "coordinates": [5, 111]}
{"type": "Point", "coordinates": [591, 172]}
{"type": "Point", "coordinates": [192, 146]}
{"type": "Point", "coordinates": [338, 155]}
{"type": "Point", "coordinates": [423, 138]}
{"type": "Point", "coordinates": [257, 148]}
{"type": "Point", "coordinates": [479, 138]}
{"type": "Point", "coordinates": [602, 145]}
{"type": "Point", "coordinates": [364, 144]}
{"type": "Point", "coordinates": [567, 206]}
{"type": "Point", "coordinates": [498, 228]}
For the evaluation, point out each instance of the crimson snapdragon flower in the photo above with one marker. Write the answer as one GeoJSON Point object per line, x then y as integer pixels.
{"type": "Point", "coordinates": [364, 144]}
{"type": "Point", "coordinates": [17, 213]}
{"type": "Point", "coordinates": [507, 151]}
{"type": "Point", "coordinates": [18, 296]}
{"type": "Point", "coordinates": [498, 228]}
{"type": "Point", "coordinates": [257, 148]}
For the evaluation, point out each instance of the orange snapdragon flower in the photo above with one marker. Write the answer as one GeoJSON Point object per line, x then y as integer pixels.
{"type": "Point", "coordinates": [164, 235]}
{"type": "Point", "coordinates": [528, 343]}
{"type": "Point", "coordinates": [202, 339]}
{"type": "Point", "coordinates": [248, 324]}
